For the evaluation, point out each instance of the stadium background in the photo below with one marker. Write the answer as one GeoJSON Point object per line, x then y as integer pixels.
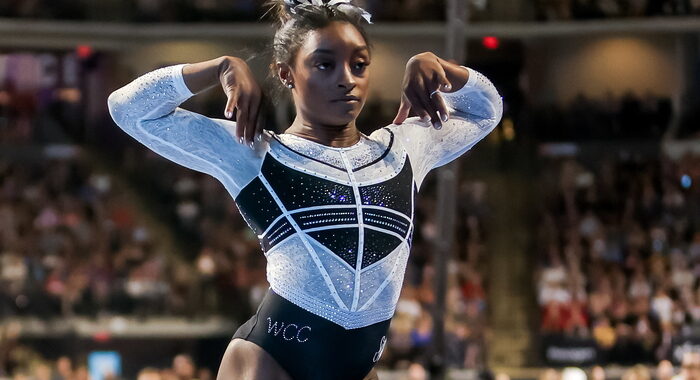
{"type": "Point", "coordinates": [577, 227]}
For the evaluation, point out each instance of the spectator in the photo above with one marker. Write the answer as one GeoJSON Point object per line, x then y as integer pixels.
{"type": "Point", "coordinates": [638, 372]}
{"type": "Point", "coordinates": [184, 367]}
{"type": "Point", "coordinates": [598, 373]}
{"type": "Point", "coordinates": [690, 366]}
{"type": "Point", "coordinates": [664, 370]}
{"type": "Point", "coordinates": [573, 373]}
{"type": "Point", "coordinates": [149, 374]}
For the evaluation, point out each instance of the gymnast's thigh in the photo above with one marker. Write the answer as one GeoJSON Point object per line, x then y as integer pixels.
{"type": "Point", "coordinates": [372, 375]}
{"type": "Point", "coordinates": [244, 360]}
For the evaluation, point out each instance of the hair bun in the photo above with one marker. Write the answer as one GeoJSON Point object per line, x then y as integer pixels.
{"type": "Point", "coordinates": [279, 9]}
{"type": "Point", "coordinates": [283, 10]}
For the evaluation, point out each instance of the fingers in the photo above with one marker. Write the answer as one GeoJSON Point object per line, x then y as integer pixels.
{"type": "Point", "coordinates": [420, 99]}
{"type": "Point", "coordinates": [248, 109]}
{"type": "Point", "coordinates": [404, 109]}
{"type": "Point", "coordinates": [244, 97]}
{"type": "Point", "coordinates": [428, 104]}
{"type": "Point", "coordinates": [423, 81]}
{"type": "Point", "coordinates": [249, 127]}
{"type": "Point", "coordinates": [230, 103]}
{"type": "Point", "coordinates": [442, 83]}
{"type": "Point", "coordinates": [233, 104]}
{"type": "Point", "coordinates": [241, 119]}
{"type": "Point", "coordinates": [252, 125]}
{"type": "Point", "coordinates": [424, 117]}
{"type": "Point", "coordinates": [441, 106]}
{"type": "Point", "coordinates": [262, 119]}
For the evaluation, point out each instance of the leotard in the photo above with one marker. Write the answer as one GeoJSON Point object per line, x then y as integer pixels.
{"type": "Point", "coordinates": [335, 224]}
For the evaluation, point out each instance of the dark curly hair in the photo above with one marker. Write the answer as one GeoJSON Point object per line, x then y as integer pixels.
{"type": "Point", "coordinates": [292, 28]}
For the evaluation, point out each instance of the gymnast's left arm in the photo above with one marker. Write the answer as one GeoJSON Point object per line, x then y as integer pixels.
{"type": "Point", "coordinates": [458, 107]}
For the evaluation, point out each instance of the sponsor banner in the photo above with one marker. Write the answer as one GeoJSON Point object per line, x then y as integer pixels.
{"type": "Point", "coordinates": [561, 351]}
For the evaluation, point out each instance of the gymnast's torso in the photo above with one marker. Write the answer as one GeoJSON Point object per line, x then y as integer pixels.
{"type": "Point", "coordinates": [335, 224]}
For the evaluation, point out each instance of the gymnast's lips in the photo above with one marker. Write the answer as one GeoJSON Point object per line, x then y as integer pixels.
{"type": "Point", "coordinates": [348, 98]}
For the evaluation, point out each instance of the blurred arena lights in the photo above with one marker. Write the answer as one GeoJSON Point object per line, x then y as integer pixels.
{"type": "Point", "coordinates": [686, 181]}
{"type": "Point", "coordinates": [84, 51]}
{"type": "Point", "coordinates": [491, 42]}
{"type": "Point", "coordinates": [102, 336]}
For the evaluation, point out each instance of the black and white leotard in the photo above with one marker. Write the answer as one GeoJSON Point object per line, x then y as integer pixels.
{"type": "Point", "coordinates": [335, 224]}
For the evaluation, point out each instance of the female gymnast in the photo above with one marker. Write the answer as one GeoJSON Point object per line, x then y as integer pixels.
{"type": "Point", "coordinates": [332, 207]}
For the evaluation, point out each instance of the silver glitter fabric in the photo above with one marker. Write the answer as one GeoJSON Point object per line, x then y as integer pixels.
{"type": "Point", "coordinates": [334, 223]}
{"type": "Point", "coordinates": [147, 109]}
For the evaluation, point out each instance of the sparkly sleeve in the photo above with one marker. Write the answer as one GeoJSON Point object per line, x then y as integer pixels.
{"type": "Point", "coordinates": [147, 109]}
{"type": "Point", "coordinates": [475, 110]}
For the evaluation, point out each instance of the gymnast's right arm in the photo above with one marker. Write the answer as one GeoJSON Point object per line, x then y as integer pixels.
{"type": "Point", "coordinates": [148, 110]}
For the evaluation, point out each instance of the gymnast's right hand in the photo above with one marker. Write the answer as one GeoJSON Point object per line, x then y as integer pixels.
{"type": "Point", "coordinates": [242, 91]}
{"type": "Point", "coordinates": [244, 96]}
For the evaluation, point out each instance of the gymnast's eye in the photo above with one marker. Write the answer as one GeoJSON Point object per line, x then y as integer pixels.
{"type": "Point", "coordinates": [361, 65]}
{"type": "Point", "coordinates": [323, 66]}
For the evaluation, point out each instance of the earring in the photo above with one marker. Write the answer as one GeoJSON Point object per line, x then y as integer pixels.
{"type": "Point", "coordinates": [290, 85]}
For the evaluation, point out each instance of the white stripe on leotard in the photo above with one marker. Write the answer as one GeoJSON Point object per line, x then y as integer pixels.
{"type": "Point", "coordinates": [388, 278]}
{"type": "Point", "coordinates": [360, 228]}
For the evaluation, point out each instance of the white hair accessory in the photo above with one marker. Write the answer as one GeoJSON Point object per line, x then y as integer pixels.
{"type": "Point", "coordinates": [338, 3]}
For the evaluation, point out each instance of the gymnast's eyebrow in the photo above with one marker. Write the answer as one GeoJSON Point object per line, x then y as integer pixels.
{"type": "Point", "coordinates": [329, 51]}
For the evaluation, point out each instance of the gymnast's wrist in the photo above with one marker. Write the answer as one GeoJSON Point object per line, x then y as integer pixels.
{"type": "Point", "coordinates": [203, 75]}
{"type": "Point", "coordinates": [457, 75]}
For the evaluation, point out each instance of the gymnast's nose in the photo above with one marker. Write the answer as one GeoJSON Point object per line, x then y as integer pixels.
{"type": "Point", "coordinates": [347, 79]}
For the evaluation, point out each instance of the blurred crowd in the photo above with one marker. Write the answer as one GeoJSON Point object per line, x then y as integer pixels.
{"type": "Point", "coordinates": [26, 364]}
{"type": "Point", "coordinates": [664, 370]}
{"type": "Point", "coordinates": [629, 117]}
{"type": "Point", "coordinates": [72, 244]}
{"type": "Point", "coordinates": [382, 10]}
{"type": "Point", "coordinates": [197, 10]}
{"type": "Point", "coordinates": [620, 247]}
{"type": "Point", "coordinates": [559, 10]}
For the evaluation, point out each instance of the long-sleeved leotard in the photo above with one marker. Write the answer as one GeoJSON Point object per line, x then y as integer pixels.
{"type": "Point", "coordinates": [335, 224]}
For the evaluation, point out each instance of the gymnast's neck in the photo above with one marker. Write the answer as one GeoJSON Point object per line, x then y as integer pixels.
{"type": "Point", "coordinates": [336, 136]}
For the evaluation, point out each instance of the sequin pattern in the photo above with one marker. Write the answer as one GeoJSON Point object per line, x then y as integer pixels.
{"type": "Point", "coordinates": [325, 217]}
{"type": "Point", "coordinates": [257, 206]}
{"type": "Point", "coordinates": [393, 194]}
{"type": "Point", "coordinates": [341, 241]}
{"type": "Point", "coordinates": [279, 231]}
{"type": "Point", "coordinates": [378, 245]}
{"type": "Point", "coordinates": [342, 273]}
{"type": "Point", "coordinates": [299, 190]}
{"type": "Point", "coordinates": [391, 221]}
{"type": "Point", "coordinates": [335, 223]}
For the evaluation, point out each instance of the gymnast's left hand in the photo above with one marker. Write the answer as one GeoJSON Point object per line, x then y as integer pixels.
{"type": "Point", "coordinates": [425, 75]}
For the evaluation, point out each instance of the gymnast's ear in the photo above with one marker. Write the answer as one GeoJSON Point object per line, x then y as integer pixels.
{"type": "Point", "coordinates": [284, 72]}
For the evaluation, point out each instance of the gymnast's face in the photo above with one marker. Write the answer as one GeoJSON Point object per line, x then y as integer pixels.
{"type": "Point", "coordinates": [330, 75]}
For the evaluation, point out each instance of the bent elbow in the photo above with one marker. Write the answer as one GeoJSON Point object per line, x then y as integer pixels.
{"type": "Point", "coordinates": [494, 111]}
{"type": "Point", "coordinates": [498, 114]}
{"type": "Point", "coordinates": [117, 111]}
{"type": "Point", "coordinates": [113, 106]}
